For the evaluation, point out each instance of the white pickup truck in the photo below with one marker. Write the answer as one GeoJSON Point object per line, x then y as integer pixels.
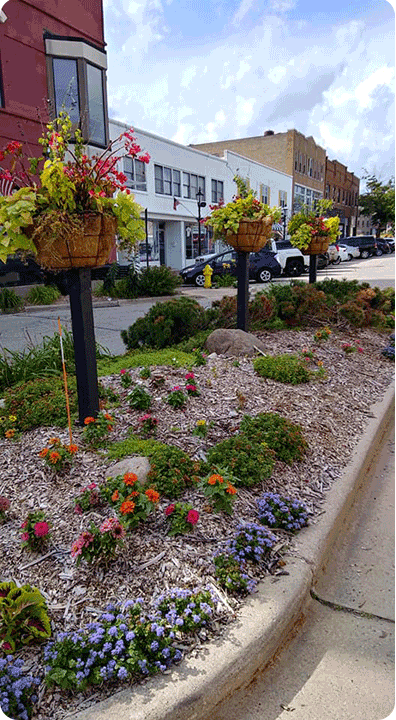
{"type": "Point", "coordinates": [291, 259]}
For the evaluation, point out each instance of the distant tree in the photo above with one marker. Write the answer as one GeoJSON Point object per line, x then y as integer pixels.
{"type": "Point", "coordinates": [379, 202]}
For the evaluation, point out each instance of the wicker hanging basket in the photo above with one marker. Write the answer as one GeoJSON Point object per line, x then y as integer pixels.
{"type": "Point", "coordinates": [252, 234]}
{"type": "Point", "coordinates": [317, 246]}
{"type": "Point", "coordinates": [87, 245]}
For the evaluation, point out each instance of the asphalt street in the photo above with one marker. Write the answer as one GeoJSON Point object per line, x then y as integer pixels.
{"type": "Point", "coordinates": [18, 331]}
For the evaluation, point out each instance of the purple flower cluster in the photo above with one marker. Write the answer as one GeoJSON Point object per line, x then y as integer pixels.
{"type": "Point", "coordinates": [126, 640]}
{"type": "Point", "coordinates": [282, 512]}
{"type": "Point", "coordinates": [16, 689]}
{"type": "Point", "coordinates": [251, 542]}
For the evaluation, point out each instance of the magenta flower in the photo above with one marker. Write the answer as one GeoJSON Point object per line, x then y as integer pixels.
{"type": "Point", "coordinates": [169, 510]}
{"type": "Point", "coordinates": [41, 529]}
{"type": "Point", "coordinates": [192, 517]}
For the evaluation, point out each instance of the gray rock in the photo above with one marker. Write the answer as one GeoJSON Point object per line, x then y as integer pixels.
{"type": "Point", "coordinates": [232, 343]}
{"type": "Point", "coordinates": [134, 464]}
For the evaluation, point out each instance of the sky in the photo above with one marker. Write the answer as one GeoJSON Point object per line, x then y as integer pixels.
{"type": "Point", "coordinates": [197, 71]}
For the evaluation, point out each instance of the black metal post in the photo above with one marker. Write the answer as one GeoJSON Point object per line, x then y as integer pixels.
{"type": "Point", "coordinates": [243, 291]}
{"type": "Point", "coordinates": [146, 229]}
{"type": "Point", "coordinates": [199, 228]}
{"type": "Point", "coordinates": [79, 285]}
{"type": "Point", "coordinates": [312, 268]}
{"type": "Point", "coordinates": [284, 223]}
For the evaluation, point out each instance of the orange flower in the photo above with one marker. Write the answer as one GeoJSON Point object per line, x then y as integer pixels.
{"type": "Point", "coordinates": [73, 449]}
{"type": "Point", "coordinates": [130, 478]}
{"type": "Point", "coordinates": [43, 452]}
{"type": "Point", "coordinates": [9, 433]}
{"type": "Point", "coordinates": [230, 489]}
{"type": "Point", "coordinates": [109, 427]}
{"type": "Point", "coordinates": [54, 441]}
{"type": "Point", "coordinates": [89, 420]}
{"type": "Point", "coordinates": [108, 417]}
{"type": "Point", "coordinates": [152, 495]}
{"type": "Point", "coordinates": [215, 478]}
{"type": "Point", "coordinates": [115, 495]}
{"type": "Point", "coordinates": [54, 457]}
{"type": "Point", "coordinates": [127, 507]}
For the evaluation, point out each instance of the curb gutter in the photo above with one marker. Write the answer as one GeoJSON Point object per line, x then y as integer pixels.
{"type": "Point", "coordinates": [193, 689]}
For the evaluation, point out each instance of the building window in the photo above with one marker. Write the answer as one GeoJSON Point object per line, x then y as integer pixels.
{"type": "Point", "coordinates": [217, 191]}
{"type": "Point", "coordinates": [167, 180]}
{"type": "Point", "coordinates": [310, 168]}
{"type": "Point", "coordinates": [191, 184]}
{"type": "Point", "coordinates": [265, 194]}
{"type": "Point", "coordinates": [135, 172]}
{"type": "Point", "coordinates": [327, 191]}
{"type": "Point", "coordinates": [76, 72]}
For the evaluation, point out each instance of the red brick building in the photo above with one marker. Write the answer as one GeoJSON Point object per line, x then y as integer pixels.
{"type": "Point", "coordinates": [52, 55]}
{"type": "Point", "coordinates": [342, 187]}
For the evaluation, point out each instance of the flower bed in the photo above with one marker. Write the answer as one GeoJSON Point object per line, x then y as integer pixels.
{"type": "Point", "coordinates": [332, 414]}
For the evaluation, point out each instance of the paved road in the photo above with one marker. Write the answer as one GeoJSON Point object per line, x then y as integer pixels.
{"type": "Point", "coordinates": [340, 666]}
{"type": "Point", "coordinates": [18, 331]}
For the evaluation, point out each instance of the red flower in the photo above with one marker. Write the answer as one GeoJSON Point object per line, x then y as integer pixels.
{"type": "Point", "coordinates": [192, 517]}
{"type": "Point", "coordinates": [41, 529]}
{"type": "Point", "coordinates": [169, 510]}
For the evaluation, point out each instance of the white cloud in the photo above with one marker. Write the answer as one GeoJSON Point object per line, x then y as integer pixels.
{"type": "Point", "coordinates": [244, 111]}
{"type": "Point", "coordinates": [365, 89]}
{"type": "Point", "coordinates": [276, 74]}
{"type": "Point", "coordinates": [243, 10]}
{"type": "Point", "coordinates": [282, 5]}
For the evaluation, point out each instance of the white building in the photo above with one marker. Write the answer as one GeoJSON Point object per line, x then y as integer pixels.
{"type": "Point", "coordinates": [167, 188]}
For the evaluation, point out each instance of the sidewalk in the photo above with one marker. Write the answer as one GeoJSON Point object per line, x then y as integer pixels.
{"type": "Point", "coordinates": [192, 690]}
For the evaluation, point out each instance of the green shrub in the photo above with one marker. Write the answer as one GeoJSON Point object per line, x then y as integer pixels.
{"type": "Point", "coordinates": [133, 445]}
{"type": "Point", "coordinates": [248, 461]}
{"type": "Point", "coordinates": [280, 434]}
{"type": "Point", "coordinates": [226, 280]}
{"type": "Point", "coordinates": [166, 324]}
{"type": "Point", "coordinates": [261, 310]}
{"type": "Point", "coordinates": [43, 295]}
{"type": "Point", "coordinates": [23, 616]}
{"type": "Point", "coordinates": [10, 301]}
{"type": "Point", "coordinates": [286, 368]}
{"type": "Point", "coordinates": [157, 281]}
{"type": "Point", "coordinates": [226, 311]}
{"type": "Point", "coordinates": [41, 402]}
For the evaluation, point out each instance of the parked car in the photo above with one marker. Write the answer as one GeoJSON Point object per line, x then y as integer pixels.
{"type": "Point", "coordinates": [391, 243]}
{"type": "Point", "coordinates": [263, 267]}
{"type": "Point", "coordinates": [25, 271]}
{"type": "Point", "coordinates": [367, 244]}
{"type": "Point", "coordinates": [383, 247]}
{"type": "Point", "coordinates": [351, 251]}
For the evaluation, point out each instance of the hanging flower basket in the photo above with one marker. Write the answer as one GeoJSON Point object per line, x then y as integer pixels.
{"type": "Point", "coordinates": [86, 242]}
{"type": "Point", "coordinates": [252, 234]}
{"type": "Point", "coordinates": [317, 246]}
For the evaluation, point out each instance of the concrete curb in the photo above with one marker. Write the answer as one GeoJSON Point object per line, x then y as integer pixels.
{"type": "Point", "coordinates": [192, 690]}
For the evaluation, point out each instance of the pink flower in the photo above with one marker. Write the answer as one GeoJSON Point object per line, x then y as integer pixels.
{"type": "Point", "coordinates": [169, 510]}
{"type": "Point", "coordinates": [190, 376]}
{"type": "Point", "coordinates": [78, 510]}
{"type": "Point", "coordinates": [123, 371]}
{"type": "Point", "coordinates": [192, 517]}
{"type": "Point", "coordinates": [24, 524]}
{"type": "Point", "coordinates": [360, 349]}
{"type": "Point", "coordinates": [25, 537]}
{"type": "Point", "coordinates": [41, 529]}
{"type": "Point", "coordinates": [192, 388]}
{"type": "Point", "coordinates": [92, 486]}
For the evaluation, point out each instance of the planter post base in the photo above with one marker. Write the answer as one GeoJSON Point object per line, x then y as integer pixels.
{"type": "Point", "coordinates": [79, 285]}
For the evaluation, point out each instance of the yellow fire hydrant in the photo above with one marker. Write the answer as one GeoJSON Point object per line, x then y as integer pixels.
{"type": "Point", "coordinates": [208, 272]}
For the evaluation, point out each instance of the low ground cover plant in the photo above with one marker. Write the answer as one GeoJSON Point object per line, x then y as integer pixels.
{"type": "Point", "coordinates": [281, 435]}
{"type": "Point", "coordinates": [176, 398]}
{"type": "Point", "coordinates": [98, 545]}
{"type": "Point", "coordinates": [181, 518]}
{"type": "Point", "coordinates": [220, 490]}
{"type": "Point", "coordinates": [4, 507]}
{"type": "Point", "coordinates": [88, 498]}
{"type": "Point", "coordinates": [41, 403]}
{"type": "Point", "coordinates": [285, 368]}
{"type": "Point", "coordinates": [139, 398]}
{"type": "Point", "coordinates": [97, 429]}
{"type": "Point", "coordinates": [131, 501]}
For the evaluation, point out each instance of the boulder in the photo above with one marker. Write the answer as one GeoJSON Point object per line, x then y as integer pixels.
{"type": "Point", "coordinates": [232, 343]}
{"type": "Point", "coordinates": [135, 464]}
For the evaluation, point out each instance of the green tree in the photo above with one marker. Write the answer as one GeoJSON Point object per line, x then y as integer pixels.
{"type": "Point", "coordinates": [379, 202]}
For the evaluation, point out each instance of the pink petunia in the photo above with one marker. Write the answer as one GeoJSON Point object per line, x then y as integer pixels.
{"type": "Point", "coordinates": [169, 510]}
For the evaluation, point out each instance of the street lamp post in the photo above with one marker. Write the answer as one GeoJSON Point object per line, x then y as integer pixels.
{"type": "Point", "coordinates": [200, 204]}
{"type": "Point", "coordinates": [284, 219]}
